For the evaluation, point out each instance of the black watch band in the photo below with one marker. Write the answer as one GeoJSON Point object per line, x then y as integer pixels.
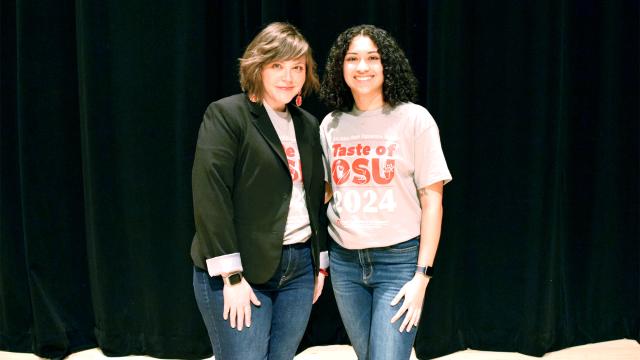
{"type": "Point", "coordinates": [425, 270]}
{"type": "Point", "coordinates": [232, 279]}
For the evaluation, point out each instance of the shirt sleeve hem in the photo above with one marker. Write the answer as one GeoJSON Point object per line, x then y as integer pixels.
{"type": "Point", "coordinates": [324, 260]}
{"type": "Point", "coordinates": [224, 264]}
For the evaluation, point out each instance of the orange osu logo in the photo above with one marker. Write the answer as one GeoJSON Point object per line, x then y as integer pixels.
{"type": "Point", "coordinates": [340, 171]}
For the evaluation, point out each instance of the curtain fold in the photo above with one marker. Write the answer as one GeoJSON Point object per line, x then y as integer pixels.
{"type": "Point", "coordinates": [537, 106]}
{"type": "Point", "coordinates": [142, 94]}
{"type": "Point", "coordinates": [47, 196]}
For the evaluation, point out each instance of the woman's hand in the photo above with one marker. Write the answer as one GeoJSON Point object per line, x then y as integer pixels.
{"type": "Point", "coordinates": [317, 289]}
{"type": "Point", "coordinates": [413, 293]}
{"type": "Point", "coordinates": [237, 304]}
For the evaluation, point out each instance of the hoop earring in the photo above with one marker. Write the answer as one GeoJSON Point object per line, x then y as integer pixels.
{"type": "Point", "coordinates": [299, 99]}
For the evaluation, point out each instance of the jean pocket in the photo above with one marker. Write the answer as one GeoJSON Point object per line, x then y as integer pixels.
{"type": "Point", "coordinates": [405, 246]}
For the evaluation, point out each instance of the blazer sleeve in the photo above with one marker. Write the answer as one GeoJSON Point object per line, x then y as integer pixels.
{"type": "Point", "coordinates": [322, 209]}
{"type": "Point", "coordinates": [212, 186]}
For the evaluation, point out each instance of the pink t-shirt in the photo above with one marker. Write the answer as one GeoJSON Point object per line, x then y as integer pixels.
{"type": "Point", "coordinates": [378, 160]}
{"type": "Point", "coordinates": [298, 228]}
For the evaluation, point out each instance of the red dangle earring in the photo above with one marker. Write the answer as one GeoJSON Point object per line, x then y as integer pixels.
{"type": "Point", "coordinates": [299, 99]}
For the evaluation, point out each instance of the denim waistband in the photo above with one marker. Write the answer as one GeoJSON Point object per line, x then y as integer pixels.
{"type": "Point", "coordinates": [301, 245]}
{"type": "Point", "coordinates": [332, 242]}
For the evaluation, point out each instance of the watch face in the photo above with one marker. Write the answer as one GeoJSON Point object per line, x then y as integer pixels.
{"type": "Point", "coordinates": [235, 278]}
{"type": "Point", "coordinates": [429, 271]}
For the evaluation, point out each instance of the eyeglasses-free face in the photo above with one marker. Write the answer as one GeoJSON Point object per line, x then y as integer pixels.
{"type": "Point", "coordinates": [364, 73]}
{"type": "Point", "coordinates": [282, 80]}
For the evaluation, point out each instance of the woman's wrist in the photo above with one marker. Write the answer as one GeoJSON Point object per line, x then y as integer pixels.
{"type": "Point", "coordinates": [232, 278]}
{"type": "Point", "coordinates": [425, 270]}
{"type": "Point", "coordinates": [421, 278]}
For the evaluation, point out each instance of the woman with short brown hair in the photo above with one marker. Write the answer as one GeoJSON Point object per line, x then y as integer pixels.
{"type": "Point", "coordinates": [258, 191]}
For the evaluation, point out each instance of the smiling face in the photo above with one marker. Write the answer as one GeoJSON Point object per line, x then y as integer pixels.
{"type": "Point", "coordinates": [282, 80]}
{"type": "Point", "coordinates": [363, 72]}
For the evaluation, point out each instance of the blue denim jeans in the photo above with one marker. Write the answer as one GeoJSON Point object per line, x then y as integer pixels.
{"type": "Point", "coordinates": [277, 325]}
{"type": "Point", "coordinates": [364, 283]}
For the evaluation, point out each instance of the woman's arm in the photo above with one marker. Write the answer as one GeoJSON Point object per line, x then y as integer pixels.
{"type": "Point", "coordinates": [430, 225]}
{"type": "Point", "coordinates": [324, 255]}
{"type": "Point", "coordinates": [212, 185]}
{"type": "Point", "coordinates": [430, 222]}
{"type": "Point", "coordinates": [212, 180]}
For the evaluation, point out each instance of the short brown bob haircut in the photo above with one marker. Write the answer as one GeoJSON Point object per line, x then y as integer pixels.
{"type": "Point", "coordinates": [276, 42]}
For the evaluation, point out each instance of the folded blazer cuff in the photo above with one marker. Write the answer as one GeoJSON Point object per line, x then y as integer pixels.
{"type": "Point", "coordinates": [324, 260]}
{"type": "Point", "coordinates": [224, 264]}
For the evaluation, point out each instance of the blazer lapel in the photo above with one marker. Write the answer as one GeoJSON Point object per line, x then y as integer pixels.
{"type": "Point", "coordinates": [265, 127]}
{"type": "Point", "coordinates": [305, 146]}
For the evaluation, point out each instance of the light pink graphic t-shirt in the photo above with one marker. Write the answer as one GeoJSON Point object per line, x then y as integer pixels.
{"type": "Point", "coordinates": [376, 161]}
{"type": "Point", "coordinates": [298, 228]}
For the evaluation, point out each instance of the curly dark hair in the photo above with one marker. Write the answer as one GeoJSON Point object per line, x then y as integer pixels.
{"type": "Point", "coordinates": [400, 85]}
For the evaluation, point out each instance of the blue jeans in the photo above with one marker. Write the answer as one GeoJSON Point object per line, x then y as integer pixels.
{"type": "Point", "coordinates": [277, 325]}
{"type": "Point", "coordinates": [364, 283]}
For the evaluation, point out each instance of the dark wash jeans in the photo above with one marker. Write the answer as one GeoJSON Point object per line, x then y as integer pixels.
{"type": "Point", "coordinates": [277, 325]}
{"type": "Point", "coordinates": [364, 283]}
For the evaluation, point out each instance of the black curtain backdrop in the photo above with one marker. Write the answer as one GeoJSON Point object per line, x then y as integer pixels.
{"type": "Point", "coordinates": [537, 104]}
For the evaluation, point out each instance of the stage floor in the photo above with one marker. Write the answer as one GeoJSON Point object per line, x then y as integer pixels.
{"type": "Point", "coordinates": [610, 350]}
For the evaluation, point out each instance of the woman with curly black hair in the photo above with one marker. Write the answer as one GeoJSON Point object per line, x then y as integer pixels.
{"type": "Point", "coordinates": [387, 173]}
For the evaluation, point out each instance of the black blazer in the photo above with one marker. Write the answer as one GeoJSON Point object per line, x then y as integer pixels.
{"type": "Point", "coordinates": [242, 186]}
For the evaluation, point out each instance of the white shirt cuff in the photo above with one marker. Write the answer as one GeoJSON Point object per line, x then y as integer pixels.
{"type": "Point", "coordinates": [324, 260]}
{"type": "Point", "coordinates": [224, 264]}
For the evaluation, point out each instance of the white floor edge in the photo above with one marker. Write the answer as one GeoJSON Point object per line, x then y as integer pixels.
{"type": "Point", "coordinates": [623, 349]}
